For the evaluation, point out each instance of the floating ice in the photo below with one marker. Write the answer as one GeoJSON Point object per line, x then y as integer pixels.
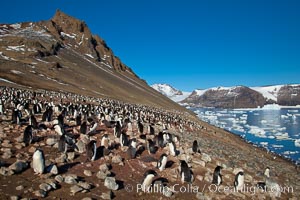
{"type": "Point", "coordinates": [297, 142]}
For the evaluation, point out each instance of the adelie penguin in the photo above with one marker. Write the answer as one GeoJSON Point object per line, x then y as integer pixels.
{"type": "Point", "coordinates": [91, 150]}
{"type": "Point", "coordinates": [123, 139]}
{"type": "Point", "coordinates": [195, 147]}
{"type": "Point", "coordinates": [186, 173]}
{"type": "Point", "coordinates": [239, 181]}
{"type": "Point", "coordinates": [28, 135]}
{"type": "Point", "coordinates": [172, 148]}
{"type": "Point", "coordinates": [151, 147]}
{"type": "Point", "coordinates": [162, 162]}
{"type": "Point", "coordinates": [33, 122]}
{"type": "Point", "coordinates": [131, 151]}
{"type": "Point", "coordinates": [147, 181]}
{"type": "Point", "coordinates": [83, 128]}
{"type": "Point", "coordinates": [38, 162]}
{"type": "Point", "coordinates": [217, 177]}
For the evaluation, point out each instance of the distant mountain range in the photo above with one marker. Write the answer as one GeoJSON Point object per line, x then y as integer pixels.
{"type": "Point", "coordinates": [234, 97]}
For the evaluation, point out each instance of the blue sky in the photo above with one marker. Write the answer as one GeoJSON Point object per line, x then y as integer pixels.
{"type": "Point", "coordinates": [188, 44]}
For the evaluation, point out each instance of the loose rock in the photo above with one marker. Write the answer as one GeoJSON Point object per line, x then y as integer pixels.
{"type": "Point", "coordinates": [110, 183]}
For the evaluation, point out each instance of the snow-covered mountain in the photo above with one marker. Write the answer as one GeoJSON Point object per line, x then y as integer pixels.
{"type": "Point", "coordinates": [171, 92]}
{"type": "Point", "coordinates": [234, 97]}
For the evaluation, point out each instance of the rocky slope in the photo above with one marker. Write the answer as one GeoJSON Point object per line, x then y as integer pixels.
{"type": "Point", "coordinates": [113, 175]}
{"type": "Point", "coordinates": [62, 54]}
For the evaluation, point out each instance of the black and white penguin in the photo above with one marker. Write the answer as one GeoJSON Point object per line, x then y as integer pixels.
{"type": "Point", "coordinates": [147, 181]}
{"type": "Point", "coordinates": [186, 173]}
{"type": "Point", "coordinates": [62, 145]}
{"type": "Point", "coordinates": [151, 130]}
{"type": "Point", "coordinates": [196, 147]}
{"type": "Point", "coordinates": [105, 141]}
{"type": "Point", "coordinates": [78, 120]}
{"type": "Point", "coordinates": [172, 148]}
{"type": "Point", "coordinates": [16, 116]}
{"type": "Point", "coordinates": [28, 135]}
{"type": "Point", "coordinates": [151, 147]}
{"type": "Point", "coordinates": [217, 177]}
{"type": "Point", "coordinates": [140, 127]}
{"type": "Point", "coordinates": [117, 130]}
{"type": "Point", "coordinates": [93, 127]}
{"type": "Point", "coordinates": [59, 129]}
{"type": "Point", "coordinates": [160, 140]}
{"type": "Point", "coordinates": [267, 172]}
{"type": "Point", "coordinates": [1, 107]}
{"type": "Point", "coordinates": [161, 163]}
{"type": "Point", "coordinates": [131, 151]}
{"type": "Point", "coordinates": [123, 139]}
{"type": "Point", "coordinates": [38, 162]}
{"type": "Point", "coordinates": [239, 181]}
{"type": "Point", "coordinates": [91, 150]}
{"type": "Point", "coordinates": [33, 122]}
{"type": "Point", "coordinates": [83, 128]}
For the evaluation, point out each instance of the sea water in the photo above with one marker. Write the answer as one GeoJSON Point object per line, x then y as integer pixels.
{"type": "Point", "coordinates": [275, 128]}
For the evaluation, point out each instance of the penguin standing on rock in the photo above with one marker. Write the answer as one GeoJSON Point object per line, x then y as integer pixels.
{"type": "Point", "coordinates": [186, 173]}
{"type": "Point", "coordinates": [239, 181]}
{"type": "Point", "coordinates": [161, 163]}
{"type": "Point", "coordinates": [217, 177]}
{"type": "Point", "coordinates": [147, 181]}
{"type": "Point", "coordinates": [38, 162]}
{"type": "Point", "coordinates": [91, 150]}
{"type": "Point", "coordinates": [196, 147]}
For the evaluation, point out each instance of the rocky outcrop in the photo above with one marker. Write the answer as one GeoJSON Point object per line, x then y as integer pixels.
{"type": "Point", "coordinates": [289, 95]}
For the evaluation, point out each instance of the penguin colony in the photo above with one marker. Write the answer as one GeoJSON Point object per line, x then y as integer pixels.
{"type": "Point", "coordinates": [107, 127]}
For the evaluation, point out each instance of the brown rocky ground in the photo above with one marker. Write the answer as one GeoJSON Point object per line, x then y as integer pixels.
{"type": "Point", "coordinates": [218, 148]}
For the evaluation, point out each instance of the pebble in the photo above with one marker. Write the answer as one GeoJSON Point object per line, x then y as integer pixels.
{"type": "Point", "coordinates": [59, 178]}
{"type": "Point", "coordinates": [54, 170]}
{"type": "Point", "coordinates": [80, 146]}
{"type": "Point", "coordinates": [61, 159]}
{"type": "Point", "coordinates": [116, 159]}
{"type": "Point", "coordinates": [102, 175]}
{"type": "Point", "coordinates": [87, 172]}
{"type": "Point", "coordinates": [85, 185]}
{"type": "Point", "coordinates": [167, 191]}
{"type": "Point", "coordinates": [14, 198]}
{"type": "Point", "coordinates": [71, 179]}
{"type": "Point", "coordinates": [199, 162]}
{"type": "Point", "coordinates": [46, 187]}
{"type": "Point", "coordinates": [51, 141]}
{"type": "Point", "coordinates": [18, 146]}
{"type": "Point", "coordinates": [40, 193]}
{"type": "Point", "coordinates": [31, 149]}
{"type": "Point", "coordinates": [110, 183]}
{"type": "Point", "coordinates": [52, 183]}
{"type": "Point", "coordinates": [104, 167]}
{"type": "Point", "coordinates": [20, 187]}
{"type": "Point", "coordinates": [19, 166]}
{"type": "Point", "coordinates": [202, 196]}
{"type": "Point", "coordinates": [71, 155]}
{"type": "Point", "coordinates": [206, 158]}
{"type": "Point", "coordinates": [107, 195]}
{"type": "Point", "coordinates": [74, 189]}
{"type": "Point", "coordinates": [199, 177]}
